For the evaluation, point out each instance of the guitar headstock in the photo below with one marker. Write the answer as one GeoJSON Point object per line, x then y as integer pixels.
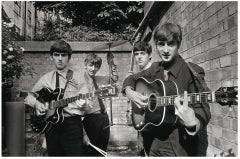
{"type": "Point", "coordinates": [227, 95]}
{"type": "Point", "coordinates": [106, 91]}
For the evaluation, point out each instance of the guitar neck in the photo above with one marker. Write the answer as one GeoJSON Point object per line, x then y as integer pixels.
{"type": "Point", "coordinates": [66, 101]}
{"type": "Point", "coordinates": [193, 98]}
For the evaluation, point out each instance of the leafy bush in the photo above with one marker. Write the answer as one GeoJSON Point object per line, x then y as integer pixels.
{"type": "Point", "coordinates": [12, 55]}
{"type": "Point", "coordinates": [54, 29]}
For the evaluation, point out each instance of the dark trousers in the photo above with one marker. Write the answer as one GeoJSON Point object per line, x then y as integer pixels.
{"type": "Point", "coordinates": [156, 147]}
{"type": "Point", "coordinates": [98, 130]}
{"type": "Point", "coordinates": [66, 139]}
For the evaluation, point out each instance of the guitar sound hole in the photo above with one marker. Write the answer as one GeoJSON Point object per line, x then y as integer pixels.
{"type": "Point", "coordinates": [152, 102]}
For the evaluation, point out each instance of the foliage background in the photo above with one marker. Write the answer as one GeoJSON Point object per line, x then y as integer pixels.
{"type": "Point", "coordinates": [90, 21]}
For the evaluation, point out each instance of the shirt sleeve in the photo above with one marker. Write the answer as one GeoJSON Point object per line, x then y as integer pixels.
{"type": "Point", "coordinates": [129, 81]}
{"type": "Point", "coordinates": [31, 99]}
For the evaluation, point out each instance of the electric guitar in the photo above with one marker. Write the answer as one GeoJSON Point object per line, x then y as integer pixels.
{"type": "Point", "coordinates": [54, 114]}
{"type": "Point", "coordinates": [161, 96]}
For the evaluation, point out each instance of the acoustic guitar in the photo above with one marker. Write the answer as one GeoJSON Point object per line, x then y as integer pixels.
{"type": "Point", "coordinates": [161, 96]}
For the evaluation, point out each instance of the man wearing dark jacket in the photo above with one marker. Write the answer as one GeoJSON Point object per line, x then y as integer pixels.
{"type": "Point", "coordinates": [181, 138]}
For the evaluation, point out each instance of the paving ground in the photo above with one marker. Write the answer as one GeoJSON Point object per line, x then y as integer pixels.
{"type": "Point", "coordinates": [122, 151]}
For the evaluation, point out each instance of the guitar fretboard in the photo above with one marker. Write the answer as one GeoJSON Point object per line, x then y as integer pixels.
{"type": "Point", "coordinates": [194, 98]}
{"type": "Point", "coordinates": [66, 101]}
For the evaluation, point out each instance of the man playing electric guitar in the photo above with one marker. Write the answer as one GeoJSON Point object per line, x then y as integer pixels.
{"type": "Point", "coordinates": [64, 138]}
{"type": "Point", "coordinates": [180, 138]}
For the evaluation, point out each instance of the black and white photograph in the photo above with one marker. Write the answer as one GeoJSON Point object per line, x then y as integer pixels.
{"type": "Point", "coordinates": [119, 79]}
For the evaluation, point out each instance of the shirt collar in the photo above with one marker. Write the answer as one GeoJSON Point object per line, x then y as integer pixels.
{"type": "Point", "coordinates": [62, 72]}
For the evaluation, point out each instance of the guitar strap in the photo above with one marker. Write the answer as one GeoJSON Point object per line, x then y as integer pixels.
{"type": "Point", "coordinates": [69, 77]}
{"type": "Point", "coordinates": [196, 76]}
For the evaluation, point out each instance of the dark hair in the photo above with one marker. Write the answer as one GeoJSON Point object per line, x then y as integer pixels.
{"type": "Point", "coordinates": [168, 32]}
{"type": "Point", "coordinates": [61, 46]}
{"type": "Point", "coordinates": [142, 46]}
{"type": "Point", "coordinates": [93, 59]}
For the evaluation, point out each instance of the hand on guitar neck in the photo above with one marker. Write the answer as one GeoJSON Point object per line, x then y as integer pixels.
{"type": "Point", "coordinates": [42, 108]}
{"type": "Point", "coordinates": [184, 112]}
{"type": "Point", "coordinates": [139, 99]}
{"type": "Point", "coordinates": [83, 104]}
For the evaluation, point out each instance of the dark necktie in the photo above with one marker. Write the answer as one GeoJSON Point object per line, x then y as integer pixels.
{"type": "Point", "coordinates": [57, 79]}
{"type": "Point", "coordinates": [99, 99]}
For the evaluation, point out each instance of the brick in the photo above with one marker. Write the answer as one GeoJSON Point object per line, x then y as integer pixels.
{"type": "Point", "coordinates": [204, 26]}
{"type": "Point", "coordinates": [215, 75]}
{"type": "Point", "coordinates": [216, 110]}
{"type": "Point", "coordinates": [218, 5]}
{"type": "Point", "coordinates": [230, 73]}
{"type": "Point", "coordinates": [224, 38]}
{"type": "Point", "coordinates": [197, 49]}
{"type": "Point", "coordinates": [199, 58]}
{"type": "Point", "coordinates": [200, 18]}
{"type": "Point", "coordinates": [206, 65]}
{"type": "Point", "coordinates": [226, 122]}
{"type": "Point", "coordinates": [191, 52]}
{"type": "Point", "coordinates": [234, 124]}
{"type": "Point", "coordinates": [216, 52]}
{"type": "Point", "coordinates": [232, 8]}
{"type": "Point", "coordinates": [207, 35]}
{"type": "Point", "coordinates": [217, 131]}
{"type": "Point", "coordinates": [212, 10]}
{"type": "Point", "coordinates": [213, 42]}
{"type": "Point", "coordinates": [222, 14]}
{"type": "Point", "coordinates": [215, 63]}
{"type": "Point", "coordinates": [209, 3]}
{"type": "Point", "coordinates": [206, 14]}
{"type": "Point", "coordinates": [235, 82]}
{"type": "Point", "coordinates": [216, 30]}
{"type": "Point", "coordinates": [234, 58]}
{"type": "Point", "coordinates": [217, 142]}
{"type": "Point", "coordinates": [202, 6]}
{"type": "Point", "coordinates": [225, 3]}
{"type": "Point", "coordinates": [195, 23]}
{"type": "Point", "coordinates": [231, 47]}
{"type": "Point", "coordinates": [233, 34]}
{"type": "Point", "coordinates": [225, 61]}
{"type": "Point", "coordinates": [229, 135]}
{"type": "Point", "coordinates": [205, 46]}
{"type": "Point", "coordinates": [232, 22]}
{"type": "Point", "coordinates": [212, 21]}
{"type": "Point", "coordinates": [183, 6]}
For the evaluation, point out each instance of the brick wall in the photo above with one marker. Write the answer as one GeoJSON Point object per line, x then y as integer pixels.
{"type": "Point", "coordinates": [121, 133]}
{"type": "Point", "coordinates": [210, 40]}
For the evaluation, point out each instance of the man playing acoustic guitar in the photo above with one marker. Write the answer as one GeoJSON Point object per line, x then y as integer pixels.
{"type": "Point", "coordinates": [176, 133]}
{"type": "Point", "coordinates": [65, 138]}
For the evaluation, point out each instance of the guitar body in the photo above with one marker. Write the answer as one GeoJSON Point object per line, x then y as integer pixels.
{"type": "Point", "coordinates": [42, 124]}
{"type": "Point", "coordinates": [153, 115]}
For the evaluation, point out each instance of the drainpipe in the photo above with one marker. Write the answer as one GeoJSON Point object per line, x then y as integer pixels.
{"type": "Point", "coordinates": [35, 19]}
{"type": "Point", "coordinates": [24, 20]}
